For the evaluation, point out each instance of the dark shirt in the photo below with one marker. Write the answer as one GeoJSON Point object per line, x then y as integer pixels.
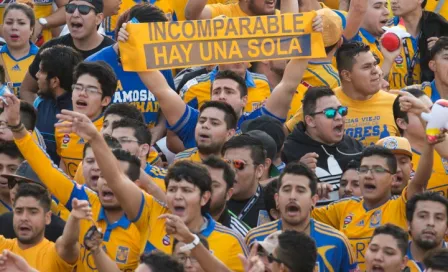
{"type": "Point", "coordinates": [256, 215]}
{"type": "Point", "coordinates": [231, 221]}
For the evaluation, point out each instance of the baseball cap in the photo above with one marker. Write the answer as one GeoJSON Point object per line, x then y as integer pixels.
{"type": "Point", "coordinates": [332, 26]}
{"type": "Point", "coordinates": [98, 4]}
{"type": "Point", "coordinates": [25, 172]}
{"type": "Point", "coordinates": [268, 143]}
{"type": "Point", "coordinates": [270, 243]}
{"type": "Point", "coordinates": [398, 145]}
{"type": "Point", "coordinates": [272, 126]}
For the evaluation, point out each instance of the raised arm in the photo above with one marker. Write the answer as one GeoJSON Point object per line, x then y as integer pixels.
{"type": "Point", "coordinates": [197, 10]}
{"type": "Point", "coordinates": [355, 16]}
{"type": "Point", "coordinates": [289, 6]}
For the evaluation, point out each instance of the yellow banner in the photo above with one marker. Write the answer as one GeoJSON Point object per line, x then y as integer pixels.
{"type": "Point", "coordinates": [168, 45]}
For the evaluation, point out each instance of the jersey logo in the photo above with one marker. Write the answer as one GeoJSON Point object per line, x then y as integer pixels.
{"type": "Point", "coordinates": [348, 219]}
{"type": "Point", "coordinates": [360, 223]}
{"type": "Point", "coordinates": [445, 165]}
{"type": "Point", "coordinates": [317, 267]}
{"type": "Point", "coordinates": [399, 60]}
{"type": "Point", "coordinates": [166, 240]}
{"type": "Point", "coordinates": [65, 141]}
{"type": "Point", "coordinates": [16, 68]}
{"type": "Point", "coordinates": [122, 255]}
{"type": "Point", "coordinates": [375, 221]}
{"type": "Point", "coordinates": [263, 217]}
{"type": "Point", "coordinates": [81, 141]}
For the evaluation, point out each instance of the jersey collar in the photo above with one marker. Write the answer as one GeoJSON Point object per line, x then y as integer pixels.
{"type": "Point", "coordinates": [369, 37]}
{"type": "Point", "coordinates": [123, 222]}
{"type": "Point", "coordinates": [33, 51]}
{"type": "Point", "coordinates": [210, 227]}
{"type": "Point", "coordinates": [435, 95]}
{"type": "Point", "coordinates": [250, 83]}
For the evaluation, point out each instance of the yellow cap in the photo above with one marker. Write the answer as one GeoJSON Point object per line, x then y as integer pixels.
{"type": "Point", "coordinates": [398, 145]}
{"type": "Point", "coordinates": [332, 26]}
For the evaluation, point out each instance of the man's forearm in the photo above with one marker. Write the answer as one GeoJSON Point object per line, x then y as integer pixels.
{"type": "Point", "coordinates": [424, 171]}
{"type": "Point", "coordinates": [194, 8]}
{"type": "Point", "coordinates": [103, 262]}
{"type": "Point", "coordinates": [67, 245]}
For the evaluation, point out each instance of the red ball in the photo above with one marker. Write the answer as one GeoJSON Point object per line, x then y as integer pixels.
{"type": "Point", "coordinates": [390, 41]}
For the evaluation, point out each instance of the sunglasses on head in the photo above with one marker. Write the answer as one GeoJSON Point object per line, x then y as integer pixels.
{"type": "Point", "coordinates": [330, 113]}
{"type": "Point", "coordinates": [13, 181]}
{"type": "Point", "coordinates": [83, 9]}
{"type": "Point", "coordinates": [237, 164]}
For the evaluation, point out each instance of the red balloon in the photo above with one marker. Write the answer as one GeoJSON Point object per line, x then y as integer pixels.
{"type": "Point", "coordinates": [390, 42]}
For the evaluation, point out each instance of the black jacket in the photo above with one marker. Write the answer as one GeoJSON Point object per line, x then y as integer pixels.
{"type": "Point", "coordinates": [332, 159]}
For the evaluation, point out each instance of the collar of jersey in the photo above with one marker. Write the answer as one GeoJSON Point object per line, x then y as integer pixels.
{"type": "Point", "coordinates": [280, 226]}
{"type": "Point", "coordinates": [435, 95]}
{"type": "Point", "coordinates": [250, 83]}
{"type": "Point", "coordinates": [123, 222]}
{"type": "Point", "coordinates": [409, 254]}
{"type": "Point", "coordinates": [369, 37]}
{"type": "Point", "coordinates": [33, 51]}
{"type": "Point", "coordinates": [210, 226]}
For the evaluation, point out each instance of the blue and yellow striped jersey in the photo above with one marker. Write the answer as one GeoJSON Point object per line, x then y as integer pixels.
{"type": "Point", "coordinates": [431, 91]}
{"type": "Point", "coordinates": [334, 250]}
{"type": "Point", "coordinates": [191, 154]}
{"type": "Point", "coordinates": [351, 217]}
{"type": "Point", "coordinates": [17, 68]}
{"type": "Point", "coordinates": [121, 238]}
{"type": "Point", "coordinates": [225, 244]}
{"type": "Point", "coordinates": [439, 177]}
{"type": "Point", "coordinates": [413, 265]}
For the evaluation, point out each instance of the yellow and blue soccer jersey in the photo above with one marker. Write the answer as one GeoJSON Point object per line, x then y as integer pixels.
{"type": "Point", "coordinates": [398, 75]}
{"type": "Point", "coordinates": [316, 74]}
{"type": "Point", "coordinates": [130, 89]}
{"type": "Point", "coordinates": [438, 6]}
{"type": "Point", "coordinates": [334, 250]}
{"type": "Point", "coordinates": [439, 177]}
{"type": "Point", "coordinates": [350, 216]}
{"type": "Point", "coordinates": [225, 244]}
{"type": "Point", "coordinates": [413, 265]}
{"type": "Point", "coordinates": [197, 90]}
{"type": "Point", "coordinates": [179, 6]}
{"type": "Point", "coordinates": [191, 154]}
{"type": "Point", "coordinates": [70, 147]}
{"type": "Point", "coordinates": [110, 23]}
{"type": "Point", "coordinates": [431, 91]}
{"type": "Point", "coordinates": [42, 256]}
{"type": "Point", "coordinates": [17, 68]}
{"type": "Point", "coordinates": [121, 238]}
{"type": "Point", "coordinates": [185, 126]}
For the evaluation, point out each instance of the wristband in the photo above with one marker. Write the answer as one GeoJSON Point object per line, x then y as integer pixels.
{"type": "Point", "coordinates": [17, 128]}
{"type": "Point", "coordinates": [191, 245]}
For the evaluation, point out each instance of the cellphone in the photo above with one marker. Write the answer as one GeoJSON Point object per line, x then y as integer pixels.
{"type": "Point", "coordinates": [4, 89]}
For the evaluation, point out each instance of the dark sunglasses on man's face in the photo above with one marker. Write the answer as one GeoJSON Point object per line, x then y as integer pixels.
{"type": "Point", "coordinates": [330, 113]}
{"type": "Point", "coordinates": [83, 9]}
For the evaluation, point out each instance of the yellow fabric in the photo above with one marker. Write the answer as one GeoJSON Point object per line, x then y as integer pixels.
{"type": "Point", "coordinates": [223, 242]}
{"type": "Point", "coordinates": [121, 244]}
{"type": "Point", "coordinates": [60, 210]}
{"type": "Point", "coordinates": [317, 74]}
{"type": "Point", "coordinates": [199, 88]}
{"type": "Point", "coordinates": [17, 69]}
{"type": "Point", "coordinates": [70, 146]}
{"type": "Point", "coordinates": [229, 10]}
{"type": "Point", "coordinates": [179, 6]}
{"type": "Point", "coordinates": [399, 70]}
{"type": "Point", "coordinates": [191, 154]}
{"type": "Point", "coordinates": [438, 6]}
{"type": "Point", "coordinates": [333, 4]}
{"type": "Point", "coordinates": [4, 208]}
{"type": "Point", "coordinates": [42, 256]}
{"type": "Point", "coordinates": [349, 216]}
{"type": "Point", "coordinates": [439, 178]}
{"type": "Point", "coordinates": [363, 122]}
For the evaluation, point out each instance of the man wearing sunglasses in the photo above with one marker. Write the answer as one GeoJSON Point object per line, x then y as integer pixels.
{"type": "Point", "coordinates": [82, 18]}
{"type": "Point", "coordinates": [295, 199]}
{"type": "Point", "coordinates": [320, 141]}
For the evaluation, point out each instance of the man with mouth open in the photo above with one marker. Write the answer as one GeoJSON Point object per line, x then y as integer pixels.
{"type": "Point", "coordinates": [187, 196]}
{"type": "Point", "coordinates": [296, 198]}
{"type": "Point", "coordinates": [427, 216]}
{"type": "Point", "coordinates": [358, 217]}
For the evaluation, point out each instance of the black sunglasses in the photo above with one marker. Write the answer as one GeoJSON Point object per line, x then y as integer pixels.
{"type": "Point", "coordinates": [272, 259]}
{"type": "Point", "coordinates": [83, 9]}
{"type": "Point", "coordinates": [330, 113]}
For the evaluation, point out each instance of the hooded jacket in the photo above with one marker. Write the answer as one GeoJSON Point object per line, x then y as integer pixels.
{"type": "Point", "coordinates": [332, 158]}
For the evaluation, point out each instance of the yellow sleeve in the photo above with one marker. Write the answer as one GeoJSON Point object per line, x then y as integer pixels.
{"type": "Point", "coordinates": [79, 175]}
{"type": "Point", "coordinates": [142, 220]}
{"type": "Point", "coordinates": [291, 123]}
{"type": "Point", "coordinates": [56, 180]}
{"type": "Point", "coordinates": [6, 243]}
{"type": "Point", "coordinates": [220, 9]}
{"type": "Point", "coordinates": [330, 214]}
{"type": "Point", "coordinates": [234, 263]}
{"type": "Point", "coordinates": [57, 263]}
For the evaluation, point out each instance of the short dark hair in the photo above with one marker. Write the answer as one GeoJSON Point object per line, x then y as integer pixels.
{"type": "Point", "coordinates": [133, 171]}
{"type": "Point", "coordinates": [141, 131]}
{"type": "Point", "coordinates": [345, 56]}
{"type": "Point", "coordinates": [28, 115]}
{"type": "Point", "coordinates": [60, 61]}
{"type": "Point", "coordinates": [202, 239]}
{"type": "Point", "coordinates": [36, 191]}
{"type": "Point", "coordinates": [437, 259]}
{"type": "Point", "coordinates": [398, 113]}
{"type": "Point", "coordinates": [125, 110]}
{"type": "Point", "coordinates": [10, 149]}
{"type": "Point", "coordinates": [191, 172]}
{"type": "Point", "coordinates": [227, 74]}
{"type": "Point", "coordinates": [300, 169]}
{"type": "Point", "coordinates": [159, 261]}
{"type": "Point", "coordinates": [102, 72]}
{"type": "Point", "coordinates": [439, 46]}
{"type": "Point", "coordinates": [351, 165]}
{"type": "Point", "coordinates": [397, 233]}
{"type": "Point", "coordinates": [229, 113]}
{"type": "Point", "coordinates": [382, 152]}
{"type": "Point", "coordinates": [257, 151]}
{"type": "Point", "coordinates": [423, 5]}
{"type": "Point", "coordinates": [411, 205]}
{"type": "Point", "coordinates": [25, 8]}
{"type": "Point", "coordinates": [311, 96]}
{"type": "Point", "coordinates": [110, 141]}
{"type": "Point", "coordinates": [269, 200]}
{"type": "Point", "coordinates": [144, 13]}
{"type": "Point", "coordinates": [292, 244]}
{"type": "Point", "coordinates": [217, 163]}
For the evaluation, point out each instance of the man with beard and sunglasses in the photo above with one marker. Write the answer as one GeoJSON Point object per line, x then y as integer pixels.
{"type": "Point", "coordinates": [82, 18]}
{"type": "Point", "coordinates": [427, 216]}
{"type": "Point", "coordinates": [320, 141]}
{"type": "Point", "coordinates": [296, 197]}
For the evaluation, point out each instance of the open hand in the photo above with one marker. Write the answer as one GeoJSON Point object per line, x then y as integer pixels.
{"type": "Point", "coordinates": [75, 122]}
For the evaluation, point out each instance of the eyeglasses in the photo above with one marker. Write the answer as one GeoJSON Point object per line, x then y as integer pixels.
{"type": "Point", "coordinates": [183, 259]}
{"type": "Point", "coordinates": [127, 141]}
{"type": "Point", "coordinates": [272, 259]}
{"type": "Point", "coordinates": [237, 164]}
{"type": "Point", "coordinates": [83, 9]}
{"type": "Point", "coordinates": [89, 90]}
{"type": "Point", "coordinates": [375, 170]}
{"type": "Point", "coordinates": [330, 113]}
